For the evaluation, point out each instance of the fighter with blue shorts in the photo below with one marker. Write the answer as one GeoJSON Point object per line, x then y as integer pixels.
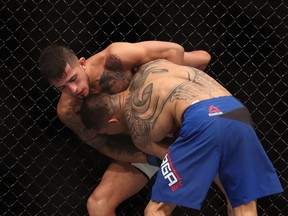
{"type": "Point", "coordinates": [216, 138]}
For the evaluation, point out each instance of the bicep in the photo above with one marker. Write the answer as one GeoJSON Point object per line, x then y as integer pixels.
{"type": "Point", "coordinates": [135, 54]}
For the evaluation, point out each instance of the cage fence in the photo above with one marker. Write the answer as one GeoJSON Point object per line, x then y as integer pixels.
{"type": "Point", "coordinates": [47, 170]}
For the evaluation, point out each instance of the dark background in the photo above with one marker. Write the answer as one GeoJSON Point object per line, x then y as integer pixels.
{"type": "Point", "coordinates": [46, 170]}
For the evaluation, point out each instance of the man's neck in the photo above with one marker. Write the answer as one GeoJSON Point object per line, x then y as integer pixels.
{"type": "Point", "coordinates": [122, 101]}
{"type": "Point", "coordinates": [119, 101]}
{"type": "Point", "coordinates": [95, 67]}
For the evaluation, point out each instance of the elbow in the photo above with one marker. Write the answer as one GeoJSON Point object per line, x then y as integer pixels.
{"type": "Point", "coordinates": [207, 57]}
{"type": "Point", "coordinates": [60, 113]}
{"type": "Point", "coordinates": [198, 59]}
{"type": "Point", "coordinates": [204, 59]}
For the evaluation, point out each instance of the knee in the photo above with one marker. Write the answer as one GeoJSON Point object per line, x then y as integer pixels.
{"type": "Point", "coordinates": [151, 209]}
{"type": "Point", "coordinates": [148, 212]}
{"type": "Point", "coordinates": [247, 209]}
{"type": "Point", "coordinates": [153, 212]}
{"type": "Point", "coordinates": [98, 206]}
{"type": "Point", "coordinates": [158, 209]}
{"type": "Point", "coordinates": [93, 206]}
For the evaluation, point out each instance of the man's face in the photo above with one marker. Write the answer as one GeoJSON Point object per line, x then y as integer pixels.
{"type": "Point", "coordinates": [74, 82]}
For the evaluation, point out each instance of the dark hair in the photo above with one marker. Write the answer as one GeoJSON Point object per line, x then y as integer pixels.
{"type": "Point", "coordinates": [53, 59]}
{"type": "Point", "coordinates": [96, 110]}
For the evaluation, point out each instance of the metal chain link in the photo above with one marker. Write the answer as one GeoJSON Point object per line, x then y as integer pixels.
{"type": "Point", "coordinates": [47, 170]}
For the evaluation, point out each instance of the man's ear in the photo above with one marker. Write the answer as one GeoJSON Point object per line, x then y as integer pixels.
{"type": "Point", "coordinates": [113, 121]}
{"type": "Point", "coordinates": [82, 62]}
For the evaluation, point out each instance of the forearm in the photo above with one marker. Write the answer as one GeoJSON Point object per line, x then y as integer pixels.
{"type": "Point", "coordinates": [135, 54]}
{"type": "Point", "coordinates": [117, 147]}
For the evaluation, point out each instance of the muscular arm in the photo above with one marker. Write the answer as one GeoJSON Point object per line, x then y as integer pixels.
{"type": "Point", "coordinates": [135, 54]}
{"type": "Point", "coordinates": [118, 147]}
{"type": "Point", "coordinates": [122, 58]}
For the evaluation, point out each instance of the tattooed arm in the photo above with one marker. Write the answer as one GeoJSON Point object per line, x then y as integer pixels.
{"type": "Point", "coordinates": [136, 54]}
{"type": "Point", "coordinates": [123, 59]}
{"type": "Point", "coordinates": [118, 147]}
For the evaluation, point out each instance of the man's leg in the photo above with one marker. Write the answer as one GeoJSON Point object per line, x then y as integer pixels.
{"type": "Point", "coordinates": [159, 209]}
{"type": "Point", "coordinates": [247, 209]}
{"type": "Point", "coordinates": [230, 210]}
{"type": "Point", "coordinates": [119, 182]}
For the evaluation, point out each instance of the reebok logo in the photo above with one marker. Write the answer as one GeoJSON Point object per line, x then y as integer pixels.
{"type": "Point", "coordinates": [214, 111]}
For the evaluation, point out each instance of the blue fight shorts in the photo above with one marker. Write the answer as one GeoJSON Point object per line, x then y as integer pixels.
{"type": "Point", "coordinates": [216, 138]}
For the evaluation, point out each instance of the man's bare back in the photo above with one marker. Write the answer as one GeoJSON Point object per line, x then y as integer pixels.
{"type": "Point", "coordinates": [162, 98]}
{"type": "Point", "coordinates": [148, 96]}
{"type": "Point", "coordinates": [109, 70]}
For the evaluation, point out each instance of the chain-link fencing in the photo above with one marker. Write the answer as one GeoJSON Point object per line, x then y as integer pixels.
{"type": "Point", "coordinates": [46, 170]}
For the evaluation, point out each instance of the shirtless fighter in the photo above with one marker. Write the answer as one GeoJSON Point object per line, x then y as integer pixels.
{"type": "Point", "coordinates": [216, 137]}
{"type": "Point", "coordinates": [109, 70]}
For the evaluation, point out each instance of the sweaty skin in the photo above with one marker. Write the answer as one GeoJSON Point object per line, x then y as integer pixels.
{"type": "Point", "coordinates": [156, 85]}
{"type": "Point", "coordinates": [155, 102]}
{"type": "Point", "coordinates": [148, 121]}
{"type": "Point", "coordinates": [111, 70]}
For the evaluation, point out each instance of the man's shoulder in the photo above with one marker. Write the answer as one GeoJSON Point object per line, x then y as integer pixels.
{"type": "Point", "coordinates": [98, 59]}
{"type": "Point", "coordinates": [66, 103]}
